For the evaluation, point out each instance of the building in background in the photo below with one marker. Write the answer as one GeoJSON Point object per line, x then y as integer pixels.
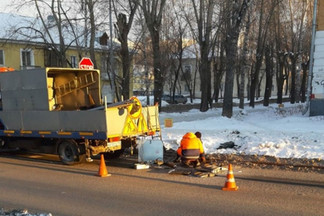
{"type": "Point", "coordinates": [317, 95]}
{"type": "Point", "coordinates": [25, 44]}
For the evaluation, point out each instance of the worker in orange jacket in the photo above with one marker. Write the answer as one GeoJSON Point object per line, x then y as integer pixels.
{"type": "Point", "coordinates": [191, 150]}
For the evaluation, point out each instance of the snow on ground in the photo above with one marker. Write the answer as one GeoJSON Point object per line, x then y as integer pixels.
{"type": "Point", "coordinates": [272, 131]}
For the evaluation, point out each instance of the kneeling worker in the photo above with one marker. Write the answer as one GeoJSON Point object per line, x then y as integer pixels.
{"type": "Point", "coordinates": [191, 150]}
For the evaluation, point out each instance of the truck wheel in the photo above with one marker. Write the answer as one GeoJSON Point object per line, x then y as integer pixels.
{"type": "Point", "coordinates": [69, 152]}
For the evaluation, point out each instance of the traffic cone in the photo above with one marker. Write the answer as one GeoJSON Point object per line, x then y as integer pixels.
{"type": "Point", "coordinates": [230, 184]}
{"type": "Point", "coordinates": [102, 168]}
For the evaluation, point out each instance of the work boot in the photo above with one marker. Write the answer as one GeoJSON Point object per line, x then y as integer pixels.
{"type": "Point", "coordinates": [177, 160]}
{"type": "Point", "coordinates": [186, 163]}
{"type": "Point", "coordinates": [89, 159]}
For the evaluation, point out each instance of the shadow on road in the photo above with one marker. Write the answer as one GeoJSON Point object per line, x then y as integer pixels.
{"type": "Point", "coordinates": [285, 181]}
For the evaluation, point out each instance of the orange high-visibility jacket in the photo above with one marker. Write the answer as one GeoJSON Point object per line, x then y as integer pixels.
{"type": "Point", "coordinates": [190, 147]}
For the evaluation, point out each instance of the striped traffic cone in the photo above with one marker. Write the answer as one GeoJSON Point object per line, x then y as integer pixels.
{"type": "Point", "coordinates": [102, 172]}
{"type": "Point", "coordinates": [230, 184]}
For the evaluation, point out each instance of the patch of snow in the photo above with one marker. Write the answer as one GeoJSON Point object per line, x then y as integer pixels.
{"type": "Point", "coordinates": [279, 132]}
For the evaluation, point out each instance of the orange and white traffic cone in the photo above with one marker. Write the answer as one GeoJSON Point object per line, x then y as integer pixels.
{"type": "Point", "coordinates": [102, 167]}
{"type": "Point", "coordinates": [230, 184]}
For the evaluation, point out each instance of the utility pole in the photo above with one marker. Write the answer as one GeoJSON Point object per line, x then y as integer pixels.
{"type": "Point", "coordinates": [311, 60]}
{"type": "Point", "coordinates": [147, 81]}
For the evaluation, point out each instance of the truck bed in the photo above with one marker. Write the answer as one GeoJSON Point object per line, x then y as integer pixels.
{"type": "Point", "coordinates": [96, 124]}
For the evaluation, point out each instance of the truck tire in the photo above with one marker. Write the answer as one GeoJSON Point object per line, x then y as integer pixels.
{"type": "Point", "coordinates": [69, 152]}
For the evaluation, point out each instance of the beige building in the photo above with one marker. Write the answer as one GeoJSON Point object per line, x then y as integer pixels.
{"type": "Point", "coordinates": [22, 49]}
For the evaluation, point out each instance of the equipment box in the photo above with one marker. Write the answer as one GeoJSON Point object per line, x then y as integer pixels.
{"type": "Point", "coordinates": [150, 150]}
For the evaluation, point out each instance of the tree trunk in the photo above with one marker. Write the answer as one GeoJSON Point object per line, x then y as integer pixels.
{"type": "Point", "coordinates": [231, 49]}
{"type": "Point", "coordinates": [153, 18]}
{"type": "Point", "coordinates": [293, 80]}
{"type": "Point", "coordinates": [179, 66]}
{"type": "Point", "coordinates": [219, 73]}
{"type": "Point", "coordinates": [233, 29]}
{"type": "Point", "coordinates": [244, 59]}
{"type": "Point", "coordinates": [303, 83]}
{"type": "Point", "coordinates": [124, 54]}
{"type": "Point", "coordinates": [237, 77]}
{"type": "Point", "coordinates": [259, 86]}
{"type": "Point", "coordinates": [205, 79]}
{"type": "Point", "coordinates": [269, 75]}
{"type": "Point", "coordinates": [203, 12]}
{"type": "Point", "coordinates": [286, 76]}
{"type": "Point", "coordinates": [126, 69]}
{"type": "Point", "coordinates": [280, 76]}
{"type": "Point", "coordinates": [123, 28]}
{"type": "Point", "coordinates": [255, 79]}
{"type": "Point", "coordinates": [58, 19]}
{"type": "Point", "coordinates": [158, 79]}
{"type": "Point", "coordinates": [259, 58]}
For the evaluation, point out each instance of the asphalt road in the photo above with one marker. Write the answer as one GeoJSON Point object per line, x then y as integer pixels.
{"type": "Point", "coordinates": [47, 186]}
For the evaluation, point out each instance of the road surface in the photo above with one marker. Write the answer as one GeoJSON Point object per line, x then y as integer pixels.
{"type": "Point", "coordinates": [47, 186]}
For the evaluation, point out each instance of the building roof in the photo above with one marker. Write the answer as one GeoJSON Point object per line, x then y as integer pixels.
{"type": "Point", "coordinates": [191, 52]}
{"type": "Point", "coordinates": [30, 29]}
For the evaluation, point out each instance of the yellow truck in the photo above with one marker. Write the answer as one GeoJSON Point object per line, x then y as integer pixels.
{"type": "Point", "coordinates": [60, 110]}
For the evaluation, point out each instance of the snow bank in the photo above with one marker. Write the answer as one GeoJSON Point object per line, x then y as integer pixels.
{"type": "Point", "coordinates": [279, 132]}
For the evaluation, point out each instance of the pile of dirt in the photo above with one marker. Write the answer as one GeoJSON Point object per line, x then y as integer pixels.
{"type": "Point", "coordinates": [259, 161]}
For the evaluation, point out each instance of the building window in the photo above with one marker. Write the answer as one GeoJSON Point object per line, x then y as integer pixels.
{"type": "Point", "coordinates": [27, 58]}
{"type": "Point", "coordinates": [186, 73]}
{"type": "Point", "coordinates": [74, 62]}
{"type": "Point", "coordinates": [1, 57]}
{"type": "Point", "coordinates": [187, 69]}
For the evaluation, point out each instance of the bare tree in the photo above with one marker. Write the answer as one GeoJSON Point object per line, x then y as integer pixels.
{"type": "Point", "coordinates": [218, 51]}
{"type": "Point", "coordinates": [219, 67]}
{"type": "Point", "coordinates": [153, 17]}
{"type": "Point", "coordinates": [176, 63]}
{"type": "Point", "coordinates": [203, 12]}
{"type": "Point", "coordinates": [269, 69]}
{"type": "Point", "coordinates": [264, 20]}
{"type": "Point", "coordinates": [244, 61]}
{"type": "Point", "coordinates": [123, 28]}
{"type": "Point", "coordinates": [142, 54]}
{"type": "Point", "coordinates": [56, 13]}
{"type": "Point", "coordinates": [174, 30]}
{"type": "Point", "coordinates": [298, 11]}
{"type": "Point", "coordinates": [91, 5]}
{"type": "Point", "coordinates": [304, 66]}
{"type": "Point", "coordinates": [280, 54]}
{"type": "Point", "coordinates": [237, 10]}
